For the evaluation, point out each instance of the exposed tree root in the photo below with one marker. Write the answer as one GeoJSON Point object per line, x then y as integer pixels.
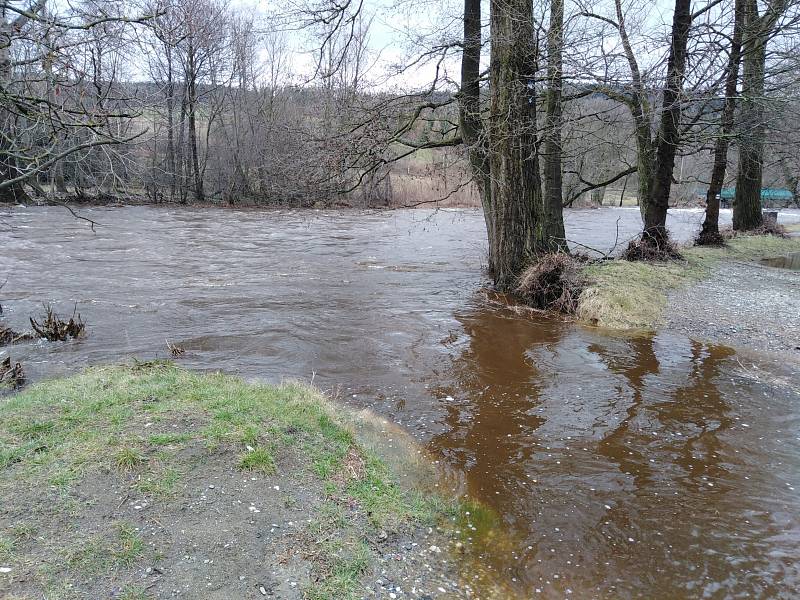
{"type": "Point", "coordinates": [766, 228]}
{"type": "Point", "coordinates": [553, 282]}
{"type": "Point", "coordinates": [54, 329]}
{"type": "Point", "coordinates": [710, 239]}
{"type": "Point", "coordinates": [175, 350]}
{"type": "Point", "coordinates": [11, 375]}
{"type": "Point", "coordinates": [9, 336]}
{"type": "Point", "coordinates": [651, 249]}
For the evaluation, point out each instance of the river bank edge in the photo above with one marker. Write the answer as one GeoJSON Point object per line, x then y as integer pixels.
{"type": "Point", "coordinates": [652, 296]}
{"type": "Point", "coordinates": [254, 204]}
{"type": "Point", "coordinates": [149, 480]}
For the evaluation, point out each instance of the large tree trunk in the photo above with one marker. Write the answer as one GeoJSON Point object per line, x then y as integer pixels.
{"type": "Point", "coordinates": [517, 215]}
{"type": "Point", "coordinates": [655, 229]}
{"type": "Point", "coordinates": [553, 176]}
{"type": "Point", "coordinates": [747, 202]}
{"type": "Point", "coordinates": [645, 167]}
{"type": "Point", "coordinates": [710, 230]}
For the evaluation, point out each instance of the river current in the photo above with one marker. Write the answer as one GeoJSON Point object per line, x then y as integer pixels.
{"type": "Point", "coordinates": [621, 466]}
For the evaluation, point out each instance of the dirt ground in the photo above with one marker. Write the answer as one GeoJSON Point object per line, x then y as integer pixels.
{"type": "Point", "coordinates": [143, 486]}
{"type": "Point", "coordinates": [742, 304]}
{"type": "Point", "coordinates": [225, 535]}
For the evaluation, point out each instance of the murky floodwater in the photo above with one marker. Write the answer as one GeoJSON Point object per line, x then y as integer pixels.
{"type": "Point", "coordinates": [790, 261]}
{"type": "Point", "coordinates": [652, 467]}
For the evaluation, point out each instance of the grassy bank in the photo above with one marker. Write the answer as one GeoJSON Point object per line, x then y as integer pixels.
{"type": "Point", "coordinates": [633, 295]}
{"type": "Point", "coordinates": [134, 482]}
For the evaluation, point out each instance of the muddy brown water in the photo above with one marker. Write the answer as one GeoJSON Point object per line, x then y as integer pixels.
{"type": "Point", "coordinates": [619, 466]}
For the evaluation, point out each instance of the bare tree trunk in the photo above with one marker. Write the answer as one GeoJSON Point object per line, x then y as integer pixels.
{"type": "Point", "coordinates": [170, 92]}
{"type": "Point", "coordinates": [792, 182]}
{"type": "Point", "coordinates": [553, 176]}
{"type": "Point", "coordinates": [14, 192]}
{"type": "Point", "coordinates": [640, 111]}
{"type": "Point", "coordinates": [192, 106]}
{"type": "Point", "coordinates": [747, 202]}
{"type": "Point", "coordinates": [655, 221]}
{"type": "Point", "coordinates": [469, 105]}
{"type": "Point", "coordinates": [517, 213]}
{"type": "Point", "coordinates": [710, 231]}
{"type": "Point", "coordinates": [644, 166]}
{"type": "Point", "coordinates": [181, 150]}
{"type": "Point", "coordinates": [58, 177]}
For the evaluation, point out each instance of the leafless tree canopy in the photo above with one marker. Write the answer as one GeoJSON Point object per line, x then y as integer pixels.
{"type": "Point", "coordinates": [521, 106]}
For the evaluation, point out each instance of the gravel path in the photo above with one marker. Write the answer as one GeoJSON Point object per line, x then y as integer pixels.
{"type": "Point", "coordinates": [743, 304]}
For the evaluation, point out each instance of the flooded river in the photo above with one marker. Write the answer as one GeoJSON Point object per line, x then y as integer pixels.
{"type": "Point", "coordinates": [621, 467]}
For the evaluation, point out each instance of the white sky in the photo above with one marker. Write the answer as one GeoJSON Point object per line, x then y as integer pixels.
{"type": "Point", "coordinates": [401, 29]}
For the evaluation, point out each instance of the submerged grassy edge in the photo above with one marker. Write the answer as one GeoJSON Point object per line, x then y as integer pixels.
{"type": "Point", "coordinates": [55, 432]}
{"type": "Point", "coordinates": [634, 295]}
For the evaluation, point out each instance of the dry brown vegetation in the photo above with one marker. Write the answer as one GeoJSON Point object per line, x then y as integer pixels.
{"type": "Point", "coordinates": [11, 374]}
{"type": "Point", "coordinates": [55, 329]}
{"type": "Point", "coordinates": [710, 238]}
{"type": "Point", "coordinates": [645, 250]}
{"type": "Point", "coordinates": [554, 282]}
{"type": "Point", "coordinates": [766, 228]}
{"type": "Point", "coordinates": [9, 336]}
{"type": "Point", "coordinates": [175, 350]}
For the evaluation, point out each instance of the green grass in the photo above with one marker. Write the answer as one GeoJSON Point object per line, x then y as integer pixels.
{"type": "Point", "coordinates": [122, 549]}
{"type": "Point", "coordinates": [169, 439]}
{"type": "Point", "coordinates": [6, 548]}
{"type": "Point", "coordinates": [96, 419]}
{"type": "Point", "coordinates": [129, 546]}
{"type": "Point", "coordinates": [134, 593]}
{"type": "Point", "coordinates": [162, 484]}
{"type": "Point", "coordinates": [258, 459]}
{"type": "Point", "coordinates": [12, 538]}
{"type": "Point", "coordinates": [633, 295]}
{"type": "Point", "coordinates": [127, 458]}
{"type": "Point", "coordinates": [141, 423]}
{"type": "Point", "coordinates": [343, 566]}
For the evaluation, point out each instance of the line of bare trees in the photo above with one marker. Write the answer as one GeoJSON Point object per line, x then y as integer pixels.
{"type": "Point", "coordinates": [536, 75]}
{"type": "Point", "coordinates": [197, 100]}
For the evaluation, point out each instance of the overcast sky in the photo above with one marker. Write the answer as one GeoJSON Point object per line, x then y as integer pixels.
{"type": "Point", "coordinates": [401, 30]}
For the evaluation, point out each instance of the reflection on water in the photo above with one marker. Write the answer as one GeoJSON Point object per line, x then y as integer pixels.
{"type": "Point", "coordinates": [652, 467]}
{"type": "Point", "coordinates": [641, 466]}
{"type": "Point", "coordinates": [790, 261]}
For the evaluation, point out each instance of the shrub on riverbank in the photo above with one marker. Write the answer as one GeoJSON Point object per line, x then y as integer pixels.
{"type": "Point", "coordinates": [136, 480]}
{"type": "Point", "coordinates": [633, 295]}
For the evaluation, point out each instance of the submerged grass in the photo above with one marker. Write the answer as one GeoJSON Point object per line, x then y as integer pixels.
{"type": "Point", "coordinates": [633, 295]}
{"type": "Point", "coordinates": [122, 420]}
